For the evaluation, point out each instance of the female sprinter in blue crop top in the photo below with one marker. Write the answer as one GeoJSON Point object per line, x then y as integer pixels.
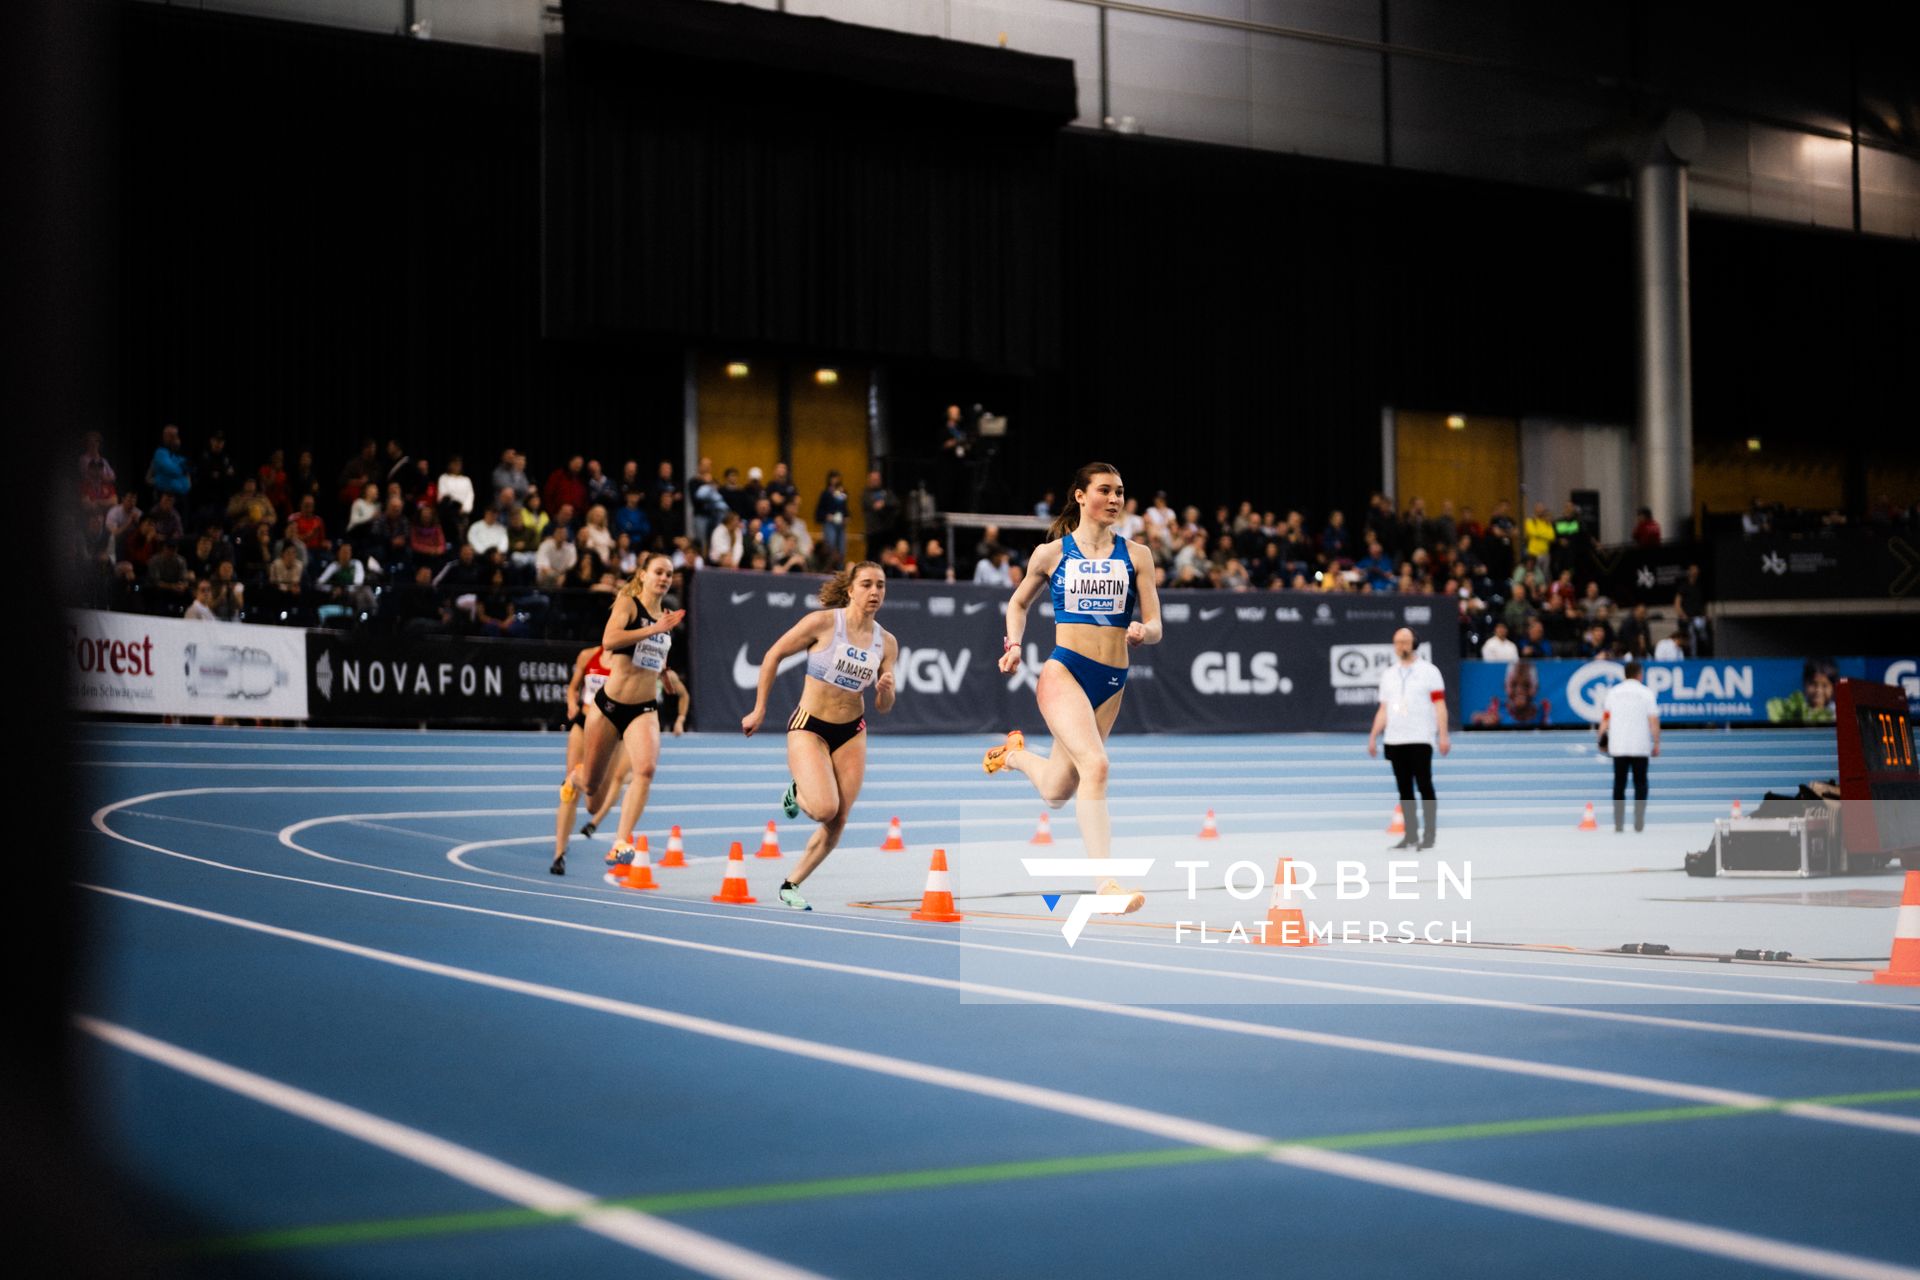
{"type": "Point", "coordinates": [634, 647]}
{"type": "Point", "coordinates": [847, 651]}
{"type": "Point", "coordinates": [1097, 577]}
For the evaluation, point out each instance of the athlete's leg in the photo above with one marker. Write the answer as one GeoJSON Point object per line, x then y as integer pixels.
{"type": "Point", "coordinates": [1054, 776]}
{"type": "Point", "coordinates": [601, 742]}
{"type": "Point", "coordinates": [643, 753]}
{"type": "Point", "coordinates": [1078, 738]}
{"type": "Point", "coordinates": [618, 766]}
{"type": "Point", "coordinates": [849, 766]}
{"type": "Point", "coordinates": [569, 793]}
{"type": "Point", "coordinates": [812, 770]}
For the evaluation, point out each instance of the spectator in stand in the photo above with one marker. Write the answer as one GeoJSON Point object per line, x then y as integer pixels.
{"type": "Point", "coordinates": [397, 465]}
{"type": "Point", "coordinates": [830, 513]}
{"type": "Point", "coordinates": [630, 519]}
{"type": "Point", "coordinates": [393, 539]}
{"type": "Point", "coordinates": [167, 523]}
{"type": "Point", "coordinates": [1561, 591]}
{"type": "Point", "coordinates": [595, 535]}
{"type": "Point", "coordinates": [308, 528]}
{"type": "Point", "coordinates": [932, 562]}
{"type": "Point", "coordinates": [1646, 530]}
{"type": "Point", "coordinates": [733, 494]}
{"type": "Point", "coordinates": [601, 489]}
{"type": "Point", "coordinates": [208, 550]}
{"type": "Point", "coordinates": [1499, 648]}
{"type": "Point", "coordinates": [709, 503]}
{"type": "Point", "coordinates": [760, 526]}
{"type": "Point", "coordinates": [97, 481]}
{"type": "Point", "coordinates": [1333, 538]}
{"type": "Point", "coordinates": [511, 473]}
{"type": "Point", "coordinates": [904, 557]}
{"type": "Point", "coordinates": [1159, 520]}
{"type": "Point", "coordinates": [555, 557]}
{"type": "Point", "coordinates": [664, 495]}
{"type": "Point", "coordinates": [273, 481]}
{"type": "Point", "coordinates": [1672, 649]}
{"type": "Point", "coordinates": [494, 613]}
{"type": "Point", "coordinates": [287, 575]}
{"type": "Point", "coordinates": [882, 508]}
{"type": "Point", "coordinates": [783, 549]}
{"type": "Point", "coordinates": [1690, 604]}
{"type": "Point", "coordinates": [1539, 533]}
{"type": "Point", "coordinates": [169, 471]}
{"type": "Point", "coordinates": [1377, 565]}
{"type": "Point", "coordinates": [362, 516]}
{"type": "Point", "coordinates": [229, 596]}
{"type": "Point", "coordinates": [1519, 610]}
{"type": "Point", "coordinates": [1635, 635]}
{"type": "Point", "coordinates": [625, 560]}
{"type": "Point", "coordinates": [488, 534]}
{"type": "Point", "coordinates": [359, 471]}
{"type": "Point", "coordinates": [200, 608]}
{"type": "Point", "coordinates": [303, 481]}
{"type": "Point", "coordinates": [257, 554]}
{"type": "Point", "coordinates": [566, 487]}
{"type": "Point", "coordinates": [168, 578]}
{"type": "Point", "coordinates": [1593, 601]}
{"type": "Point", "coordinates": [1445, 530]}
{"type": "Point", "coordinates": [464, 571]}
{"type": "Point", "coordinates": [346, 580]}
{"type": "Point", "coordinates": [215, 477]}
{"type": "Point", "coordinates": [754, 493]}
{"type": "Point", "coordinates": [1757, 520]}
{"type": "Point", "coordinates": [1594, 644]}
{"type": "Point", "coordinates": [781, 491]}
{"type": "Point", "coordinates": [416, 606]}
{"type": "Point", "coordinates": [454, 493]}
{"type": "Point", "coordinates": [1536, 645]}
{"type": "Point", "coordinates": [992, 569]}
{"type": "Point", "coordinates": [727, 548]}
{"type": "Point", "coordinates": [1233, 575]}
{"type": "Point", "coordinates": [140, 544]}
{"type": "Point", "coordinates": [249, 507]}
{"type": "Point", "coordinates": [426, 540]}
{"type": "Point", "coordinates": [527, 530]}
{"type": "Point", "coordinates": [1043, 509]}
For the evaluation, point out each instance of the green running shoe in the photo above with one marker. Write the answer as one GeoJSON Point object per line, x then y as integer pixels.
{"type": "Point", "coordinates": [793, 899]}
{"type": "Point", "coordinates": [790, 802]}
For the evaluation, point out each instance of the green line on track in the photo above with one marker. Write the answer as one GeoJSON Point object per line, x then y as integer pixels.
{"type": "Point", "coordinates": [391, 1229]}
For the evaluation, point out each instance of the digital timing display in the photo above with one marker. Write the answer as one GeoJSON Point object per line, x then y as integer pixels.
{"type": "Point", "coordinates": [1886, 739]}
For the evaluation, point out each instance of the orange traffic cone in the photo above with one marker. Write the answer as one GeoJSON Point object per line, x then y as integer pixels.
{"type": "Point", "coordinates": [893, 843]}
{"type": "Point", "coordinates": [1904, 969]}
{"type": "Point", "coordinates": [936, 903]}
{"type": "Point", "coordinates": [676, 855]}
{"type": "Point", "coordinates": [1286, 923]}
{"type": "Point", "coordinates": [1043, 834]}
{"type": "Point", "coordinates": [640, 870]}
{"type": "Point", "coordinates": [734, 887]}
{"type": "Point", "coordinates": [1208, 829]}
{"type": "Point", "coordinates": [1586, 819]}
{"type": "Point", "coordinates": [1736, 810]}
{"type": "Point", "coordinates": [1398, 827]}
{"type": "Point", "coordinates": [769, 843]}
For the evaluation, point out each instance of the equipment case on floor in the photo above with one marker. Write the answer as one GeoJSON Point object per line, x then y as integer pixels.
{"type": "Point", "coordinates": [1799, 847]}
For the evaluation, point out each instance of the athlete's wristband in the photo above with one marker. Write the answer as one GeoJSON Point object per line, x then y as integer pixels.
{"type": "Point", "coordinates": [1008, 644]}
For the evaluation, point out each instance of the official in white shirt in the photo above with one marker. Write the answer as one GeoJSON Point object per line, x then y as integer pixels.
{"type": "Point", "coordinates": [1413, 716]}
{"type": "Point", "coordinates": [1630, 733]}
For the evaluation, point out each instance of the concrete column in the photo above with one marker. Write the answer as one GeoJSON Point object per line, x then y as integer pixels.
{"type": "Point", "coordinates": [1666, 359]}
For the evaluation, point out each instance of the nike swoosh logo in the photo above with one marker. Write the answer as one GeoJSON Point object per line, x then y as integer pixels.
{"type": "Point", "coordinates": [747, 674]}
{"type": "Point", "coordinates": [1207, 614]}
{"type": "Point", "coordinates": [975, 608]}
{"type": "Point", "coordinates": [737, 596]}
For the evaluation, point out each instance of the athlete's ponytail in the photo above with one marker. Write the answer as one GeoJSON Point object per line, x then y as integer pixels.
{"type": "Point", "coordinates": [1069, 518]}
{"type": "Point", "coordinates": [839, 588]}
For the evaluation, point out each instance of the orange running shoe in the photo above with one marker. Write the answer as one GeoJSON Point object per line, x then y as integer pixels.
{"type": "Point", "coordinates": [996, 757]}
{"type": "Point", "coordinates": [1134, 902]}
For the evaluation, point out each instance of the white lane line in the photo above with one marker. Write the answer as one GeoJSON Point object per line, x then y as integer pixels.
{"type": "Point", "coordinates": [1590, 1215]}
{"type": "Point", "coordinates": [694, 1250]}
{"type": "Point", "coordinates": [1485, 1062]}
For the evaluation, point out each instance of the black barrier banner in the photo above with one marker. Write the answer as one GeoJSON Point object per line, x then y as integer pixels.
{"type": "Point", "coordinates": [1278, 661]}
{"type": "Point", "coordinates": [437, 680]}
{"type": "Point", "coordinates": [1630, 575]}
{"type": "Point", "coordinates": [1843, 566]}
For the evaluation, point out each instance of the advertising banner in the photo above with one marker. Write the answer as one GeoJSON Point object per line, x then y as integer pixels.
{"type": "Point", "coordinates": [1569, 692]}
{"type": "Point", "coordinates": [436, 680]}
{"type": "Point", "coordinates": [1229, 663]}
{"type": "Point", "coordinates": [132, 664]}
{"type": "Point", "coordinates": [1630, 575]}
{"type": "Point", "coordinates": [1844, 566]}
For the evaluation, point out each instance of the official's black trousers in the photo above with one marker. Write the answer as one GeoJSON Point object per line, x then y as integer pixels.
{"type": "Point", "coordinates": [1413, 767]}
{"type": "Point", "coordinates": [1622, 766]}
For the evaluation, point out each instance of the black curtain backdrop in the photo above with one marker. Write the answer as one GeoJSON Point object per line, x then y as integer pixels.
{"type": "Point", "coordinates": [329, 234]}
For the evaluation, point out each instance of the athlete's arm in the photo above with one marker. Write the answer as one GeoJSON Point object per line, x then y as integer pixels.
{"type": "Point", "coordinates": [617, 636]}
{"type": "Point", "coordinates": [883, 687]}
{"type": "Point", "coordinates": [678, 688]}
{"type": "Point", "coordinates": [1148, 629]}
{"type": "Point", "coordinates": [799, 638]}
{"type": "Point", "coordinates": [1045, 559]}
